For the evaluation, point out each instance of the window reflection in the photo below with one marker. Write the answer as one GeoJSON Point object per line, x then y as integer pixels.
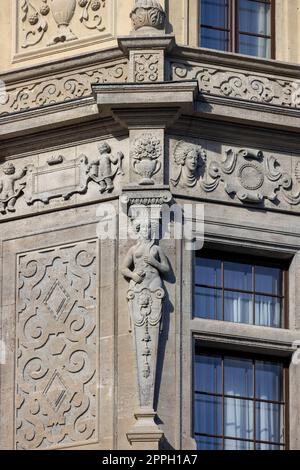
{"type": "Point", "coordinates": [238, 403]}
{"type": "Point", "coordinates": [238, 292]}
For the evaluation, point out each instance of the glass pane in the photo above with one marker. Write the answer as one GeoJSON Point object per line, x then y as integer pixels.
{"type": "Point", "coordinates": [269, 381]}
{"type": "Point", "coordinates": [252, 45]}
{"type": "Point", "coordinates": [208, 415]}
{"type": "Point", "coordinates": [269, 422]}
{"type": "Point", "coordinates": [255, 17]}
{"type": "Point", "coordinates": [238, 276]}
{"type": "Point", "coordinates": [208, 374]}
{"type": "Point", "coordinates": [238, 445]}
{"type": "Point", "coordinates": [268, 280]}
{"type": "Point", "coordinates": [208, 272]}
{"type": "Point", "coordinates": [214, 39]}
{"type": "Point", "coordinates": [238, 377]}
{"type": "Point", "coordinates": [238, 418]}
{"type": "Point", "coordinates": [208, 303]}
{"type": "Point", "coordinates": [214, 13]}
{"type": "Point", "coordinates": [267, 311]}
{"type": "Point", "coordinates": [238, 307]}
{"type": "Point", "coordinates": [208, 443]}
{"type": "Point", "coordinates": [259, 446]}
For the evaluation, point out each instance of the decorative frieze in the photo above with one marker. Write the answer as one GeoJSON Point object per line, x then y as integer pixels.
{"type": "Point", "coordinates": [60, 178]}
{"type": "Point", "coordinates": [240, 85]}
{"type": "Point", "coordinates": [61, 88]}
{"type": "Point", "coordinates": [244, 175]}
{"type": "Point", "coordinates": [56, 391]}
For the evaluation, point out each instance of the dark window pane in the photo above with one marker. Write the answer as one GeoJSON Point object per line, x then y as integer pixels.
{"type": "Point", "coordinates": [238, 418]}
{"type": "Point", "coordinates": [237, 276]}
{"type": "Point", "coordinates": [214, 13]}
{"type": "Point", "coordinates": [208, 374]}
{"type": "Point", "coordinates": [208, 303]}
{"type": "Point", "coordinates": [255, 17]}
{"type": "Point", "coordinates": [254, 46]}
{"type": "Point", "coordinates": [208, 272]}
{"type": "Point", "coordinates": [214, 39]}
{"type": "Point", "coordinates": [208, 415]}
{"type": "Point", "coordinates": [208, 443]}
{"type": "Point", "coordinates": [268, 280]}
{"type": "Point", "coordinates": [231, 444]}
{"type": "Point", "coordinates": [269, 422]}
{"type": "Point", "coordinates": [238, 377]}
{"type": "Point", "coordinates": [267, 311]}
{"type": "Point", "coordinates": [269, 383]}
{"type": "Point", "coordinates": [238, 308]}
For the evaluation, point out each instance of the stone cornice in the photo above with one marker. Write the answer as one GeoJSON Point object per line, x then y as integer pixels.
{"type": "Point", "coordinates": [238, 61]}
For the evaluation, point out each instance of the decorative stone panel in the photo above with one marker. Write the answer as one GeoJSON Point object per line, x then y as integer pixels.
{"type": "Point", "coordinates": [45, 26]}
{"type": "Point", "coordinates": [56, 390]}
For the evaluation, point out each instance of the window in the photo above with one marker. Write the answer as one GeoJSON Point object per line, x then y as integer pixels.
{"type": "Point", "coordinates": [240, 292]}
{"type": "Point", "coordinates": [239, 402]}
{"type": "Point", "coordinates": [244, 26]}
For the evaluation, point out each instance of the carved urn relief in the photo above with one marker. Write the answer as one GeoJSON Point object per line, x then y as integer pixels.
{"type": "Point", "coordinates": [145, 154]}
{"type": "Point", "coordinates": [147, 14]}
{"type": "Point", "coordinates": [63, 12]}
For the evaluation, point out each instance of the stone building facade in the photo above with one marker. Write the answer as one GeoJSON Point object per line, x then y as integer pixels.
{"type": "Point", "coordinates": [110, 112]}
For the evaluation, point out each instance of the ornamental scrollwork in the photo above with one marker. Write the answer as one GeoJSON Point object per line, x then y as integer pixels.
{"type": "Point", "coordinates": [56, 361]}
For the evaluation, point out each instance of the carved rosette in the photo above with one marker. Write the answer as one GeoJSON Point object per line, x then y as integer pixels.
{"type": "Point", "coordinates": [147, 15]}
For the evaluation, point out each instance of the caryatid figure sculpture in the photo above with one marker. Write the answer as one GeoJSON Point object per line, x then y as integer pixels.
{"type": "Point", "coordinates": [144, 265]}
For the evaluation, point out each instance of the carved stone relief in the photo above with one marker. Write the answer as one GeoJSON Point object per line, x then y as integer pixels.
{"type": "Point", "coordinates": [243, 175]}
{"type": "Point", "coordinates": [45, 23]}
{"type": "Point", "coordinates": [146, 154]}
{"type": "Point", "coordinates": [56, 179]}
{"type": "Point", "coordinates": [144, 265]}
{"type": "Point", "coordinates": [147, 15]}
{"type": "Point", "coordinates": [235, 84]}
{"type": "Point", "coordinates": [56, 391]}
{"type": "Point", "coordinates": [250, 177]}
{"type": "Point", "coordinates": [191, 162]}
{"type": "Point", "coordinates": [100, 170]}
{"type": "Point", "coordinates": [147, 66]}
{"type": "Point", "coordinates": [59, 177]}
{"type": "Point", "coordinates": [61, 88]}
{"type": "Point", "coordinates": [11, 188]}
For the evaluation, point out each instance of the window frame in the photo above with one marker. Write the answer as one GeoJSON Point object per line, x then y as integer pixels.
{"type": "Point", "coordinates": [234, 31]}
{"type": "Point", "coordinates": [255, 357]}
{"type": "Point", "coordinates": [253, 261]}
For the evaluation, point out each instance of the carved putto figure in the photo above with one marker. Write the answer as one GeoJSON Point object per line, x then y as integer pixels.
{"type": "Point", "coordinates": [191, 160]}
{"type": "Point", "coordinates": [9, 190]}
{"type": "Point", "coordinates": [101, 171]}
{"type": "Point", "coordinates": [144, 265]}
